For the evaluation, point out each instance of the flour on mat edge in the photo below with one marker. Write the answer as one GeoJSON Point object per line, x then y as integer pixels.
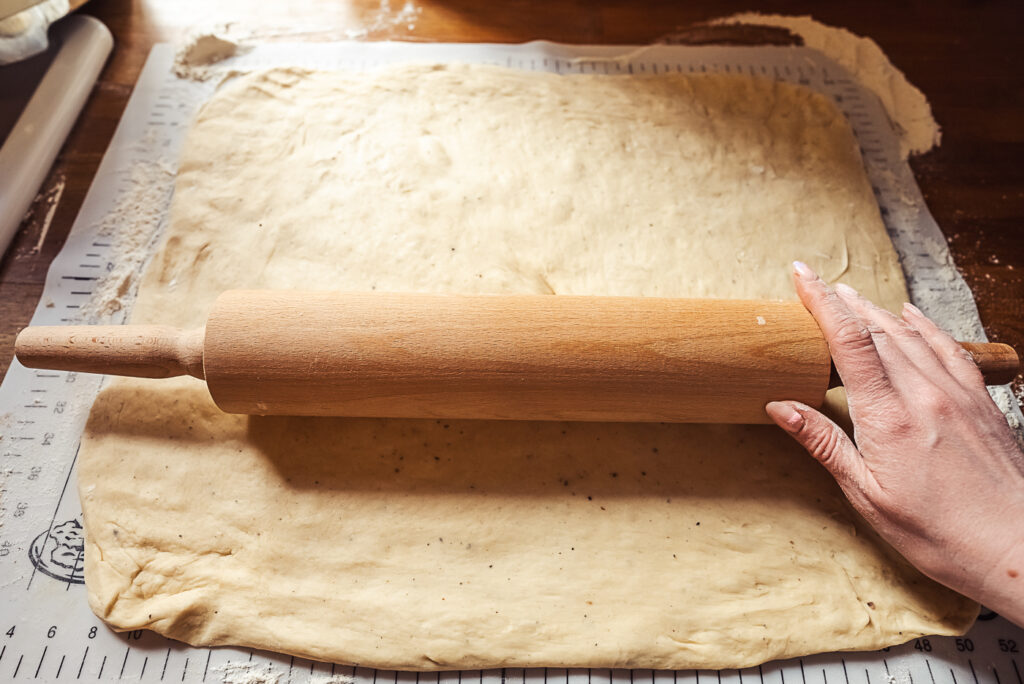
{"type": "Point", "coordinates": [265, 673]}
{"type": "Point", "coordinates": [133, 226]}
{"type": "Point", "coordinates": [201, 50]}
{"type": "Point", "coordinates": [204, 48]}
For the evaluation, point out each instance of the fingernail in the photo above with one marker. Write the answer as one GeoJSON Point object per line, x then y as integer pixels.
{"type": "Point", "coordinates": [845, 289]}
{"type": "Point", "coordinates": [910, 308]}
{"type": "Point", "coordinates": [804, 271]}
{"type": "Point", "coordinates": [788, 418]}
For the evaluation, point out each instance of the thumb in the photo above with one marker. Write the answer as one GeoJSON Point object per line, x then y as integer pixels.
{"type": "Point", "coordinates": [824, 440]}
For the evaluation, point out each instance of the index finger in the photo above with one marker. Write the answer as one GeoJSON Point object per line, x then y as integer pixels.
{"type": "Point", "coordinates": [849, 339]}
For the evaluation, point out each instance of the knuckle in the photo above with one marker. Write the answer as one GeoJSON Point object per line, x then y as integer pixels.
{"type": "Point", "coordinates": [879, 335]}
{"type": "Point", "coordinates": [852, 336]}
{"type": "Point", "coordinates": [910, 333]}
{"type": "Point", "coordinates": [824, 445]}
{"type": "Point", "coordinates": [901, 422]}
{"type": "Point", "coordinates": [936, 402]}
{"type": "Point", "coordinates": [903, 331]}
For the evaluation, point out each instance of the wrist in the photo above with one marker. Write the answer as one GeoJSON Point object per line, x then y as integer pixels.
{"type": "Point", "coordinates": [991, 561]}
{"type": "Point", "coordinates": [1002, 586]}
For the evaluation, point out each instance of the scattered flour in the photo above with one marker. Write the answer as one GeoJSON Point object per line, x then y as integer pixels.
{"type": "Point", "coordinates": [248, 673]}
{"type": "Point", "coordinates": [205, 48]}
{"type": "Point", "coordinates": [899, 675]}
{"type": "Point", "coordinates": [1009, 403]}
{"type": "Point", "coordinates": [906, 105]}
{"type": "Point", "coordinates": [199, 52]}
{"type": "Point", "coordinates": [331, 679]}
{"type": "Point", "coordinates": [132, 226]}
{"type": "Point", "coordinates": [385, 19]}
{"type": "Point", "coordinates": [266, 673]}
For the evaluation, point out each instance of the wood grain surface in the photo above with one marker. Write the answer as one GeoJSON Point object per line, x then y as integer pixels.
{"type": "Point", "coordinates": [964, 55]}
{"type": "Point", "coordinates": [517, 357]}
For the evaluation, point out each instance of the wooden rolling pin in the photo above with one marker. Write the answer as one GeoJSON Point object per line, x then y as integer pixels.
{"type": "Point", "coordinates": [479, 356]}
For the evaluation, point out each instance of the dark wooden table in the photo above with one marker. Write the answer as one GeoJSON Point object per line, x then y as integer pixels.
{"type": "Point", "coordinates": [965, 56]}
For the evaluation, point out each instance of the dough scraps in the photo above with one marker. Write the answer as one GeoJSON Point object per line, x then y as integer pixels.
{"type": "Point", "coordinates": [907, 107]}
{"type": "Point", "coordinates": [430, 545]}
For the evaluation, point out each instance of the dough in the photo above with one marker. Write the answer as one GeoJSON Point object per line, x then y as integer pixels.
{"type": "Point", "coordinates": [441, 544]}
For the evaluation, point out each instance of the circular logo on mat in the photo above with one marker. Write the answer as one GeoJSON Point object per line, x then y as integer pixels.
{"type": "Point", "coordinates": [58, 552]}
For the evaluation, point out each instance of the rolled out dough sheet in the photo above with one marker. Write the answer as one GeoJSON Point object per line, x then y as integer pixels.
{"type": "Point", "coordinates": [429, 545]}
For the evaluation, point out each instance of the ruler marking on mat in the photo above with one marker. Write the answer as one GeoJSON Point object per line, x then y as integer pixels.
{"type": "Point", "coordinates": [82, 664]}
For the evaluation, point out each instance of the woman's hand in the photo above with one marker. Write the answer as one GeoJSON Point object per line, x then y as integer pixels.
{"type": "Point", "coordinates": [932, 464]}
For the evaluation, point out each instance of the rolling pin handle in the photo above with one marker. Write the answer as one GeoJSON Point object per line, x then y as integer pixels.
{"type": "Point", "coordinates": [139, 351]}
{"type": "Point", "coordinates": [998, 363]}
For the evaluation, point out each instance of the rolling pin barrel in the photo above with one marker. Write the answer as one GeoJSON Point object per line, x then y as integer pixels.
{"type": "Point", "coordinates": [511, 357]}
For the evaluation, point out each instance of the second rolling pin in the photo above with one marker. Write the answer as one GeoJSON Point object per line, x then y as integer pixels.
{"type": "Point", "coordinates": [479, 356]}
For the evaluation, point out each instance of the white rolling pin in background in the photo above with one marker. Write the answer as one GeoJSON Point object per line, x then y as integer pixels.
{"type": "Point", "coordinates": [515, 357]}
{"type": "Point", "coordinates": [81, 45]}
